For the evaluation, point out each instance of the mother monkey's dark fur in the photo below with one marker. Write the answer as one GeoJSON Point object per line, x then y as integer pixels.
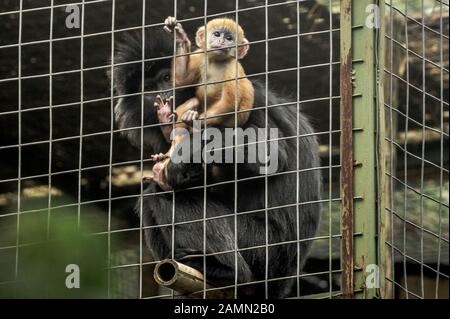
{"type": "Point", "coordinates": [220, 202]}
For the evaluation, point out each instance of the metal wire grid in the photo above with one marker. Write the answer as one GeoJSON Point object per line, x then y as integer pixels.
{"type": "Point", "coordinates": [83, 102]}
{"type": "Point", "coordinates": [408, 229]}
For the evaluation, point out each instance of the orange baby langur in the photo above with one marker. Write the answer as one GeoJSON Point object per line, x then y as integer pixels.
{"type": "Point", "coordinates": [224, 42]}
{"type": "Point", "coordinates": [219, 39]}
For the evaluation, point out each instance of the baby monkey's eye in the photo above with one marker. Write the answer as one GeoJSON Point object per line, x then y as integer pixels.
{"type": "Point", "coordinates": [229, 38]}
{"type": "Point", "coordinates": [216, 33]}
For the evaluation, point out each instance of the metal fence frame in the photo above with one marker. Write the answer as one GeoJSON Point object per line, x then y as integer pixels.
{"type": "Point", "coordinates": [359, 49]}
{"type": "Point", "coordinates": [365, 188]}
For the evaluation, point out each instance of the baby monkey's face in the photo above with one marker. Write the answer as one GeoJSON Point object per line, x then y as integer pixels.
{"type": "Point", "coordinates": [222, 41]}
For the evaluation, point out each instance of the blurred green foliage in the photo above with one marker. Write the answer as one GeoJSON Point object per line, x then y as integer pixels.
{"type": "Point", "coordinates": [37, 268]}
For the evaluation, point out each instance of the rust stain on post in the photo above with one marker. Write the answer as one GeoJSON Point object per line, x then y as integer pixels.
{"type": "Point", "coordinates": [346, 117]}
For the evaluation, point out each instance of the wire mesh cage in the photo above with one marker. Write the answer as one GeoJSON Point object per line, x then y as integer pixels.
{"type": "Point", "coordinates": [360, 120]}
{"type": "Point", "coordinates": [416, 107]}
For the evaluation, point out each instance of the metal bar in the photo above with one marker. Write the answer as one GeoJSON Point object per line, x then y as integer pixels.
{"type": "Point", "coordinates": [205, 170]}
{"type": "Point", "coordinates": [19, 137]}
{"type": "Point", "coordinates": [441, 175]}
{"type": "Point", "coordinates": [358, 109]}
{"type": "Point", "coordinates": [383, 186]}
{"type": "Point", "coordinates": [364, 142]}
{"type": "Point", "coordinates": [422, 168]}
{"type": "Point", "coordinates": [330, 157]}
{"type": "Point", "coordinates": [266, 180]}
{"type": "Point", "coordinates": [235, 162]}
{"type": "Point", "coordinates": [405, 155]}
{"type": "Point", "coordinates": [50, 133]}
{"type": "Point", "coordinates": [346, 149]}
{"type": "Point", "coordinates": [111, 139]}
{"type": "Point", "coordinates": [142, 101]}
{"type": "Point", "coordinates": [297, 220]}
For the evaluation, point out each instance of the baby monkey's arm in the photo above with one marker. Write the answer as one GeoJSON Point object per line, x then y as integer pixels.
{"type": "Point", "coordinates": [185, 67]}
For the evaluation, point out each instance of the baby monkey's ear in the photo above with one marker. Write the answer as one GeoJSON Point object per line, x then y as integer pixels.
{"type": "Point", "coordinates": [243, 48]}
{"type": "Point", "coordinates": [200, 38]}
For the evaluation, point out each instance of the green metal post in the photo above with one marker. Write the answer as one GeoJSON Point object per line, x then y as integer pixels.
{"type": "Point", "coordinates": [363, 183]}
{"type": "Point", "coordinates": [384, 222]}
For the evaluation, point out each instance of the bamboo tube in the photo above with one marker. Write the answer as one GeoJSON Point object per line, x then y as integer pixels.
{"type": "Point", "coordinates": [184, 279]}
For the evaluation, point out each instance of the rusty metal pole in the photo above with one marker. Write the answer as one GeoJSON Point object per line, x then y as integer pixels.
{"type": "Point", "coordinates": [346, 117]}
{"type": "Point", "coordinates": [359, 64]}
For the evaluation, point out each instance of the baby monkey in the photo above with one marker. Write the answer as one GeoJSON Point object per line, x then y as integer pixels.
{"type": "Point", "coordinates": [224, 43]}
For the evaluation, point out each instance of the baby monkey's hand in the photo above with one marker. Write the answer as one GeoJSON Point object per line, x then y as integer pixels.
{"type": "Point", "coordinates": [171, 24]}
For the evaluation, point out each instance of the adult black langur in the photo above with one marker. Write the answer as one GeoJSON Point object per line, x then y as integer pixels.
{"type": "Point", "coordinates": [261, 233]}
